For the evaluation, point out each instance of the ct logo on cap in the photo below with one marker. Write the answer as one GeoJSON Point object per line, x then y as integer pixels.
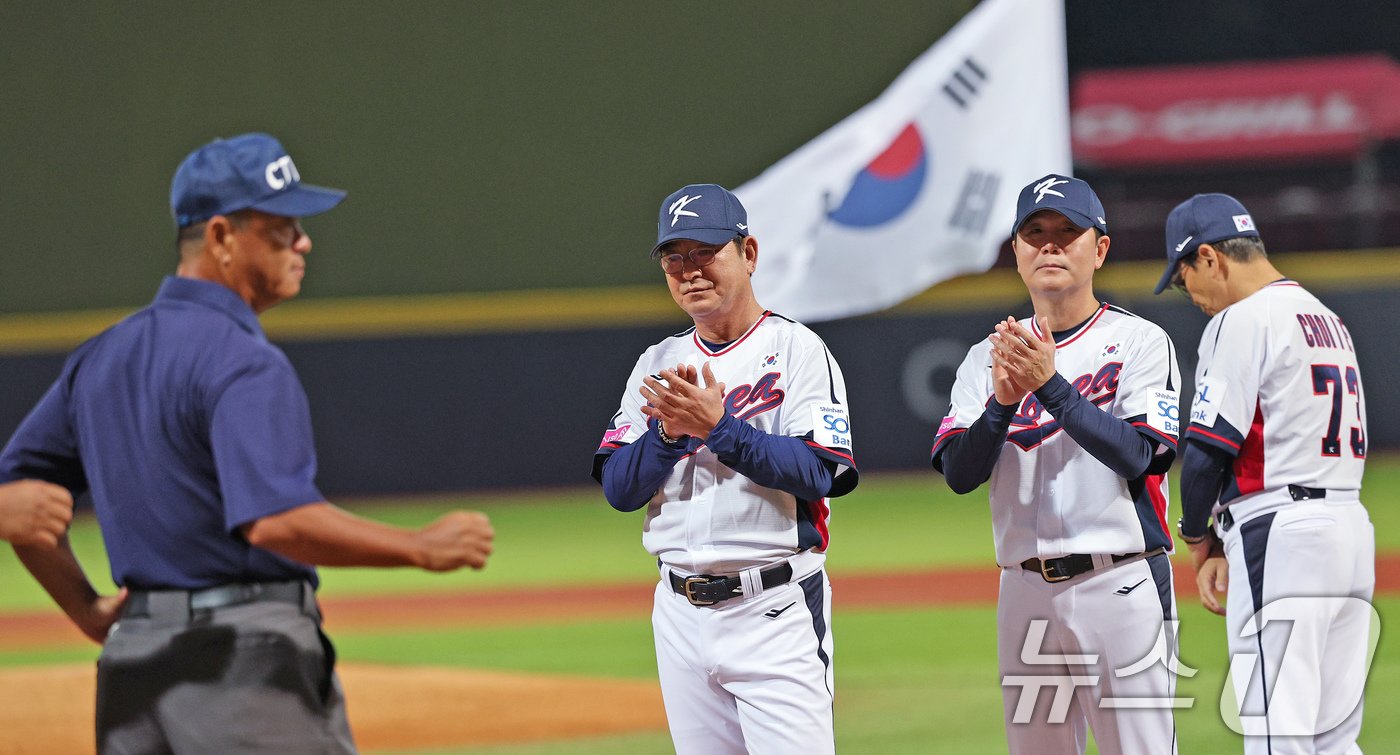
{"type": "Point", "coordinates": [1048, 187]}
{"type": "Point", "coordinates": [281, 172]}
{"type": "Point", "coordinates": [677, 208]}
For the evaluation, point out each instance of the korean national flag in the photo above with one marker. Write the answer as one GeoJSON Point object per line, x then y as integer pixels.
{"type": "Point", "coordinates": [919, 185]}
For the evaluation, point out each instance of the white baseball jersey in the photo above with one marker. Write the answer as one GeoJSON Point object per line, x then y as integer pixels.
{"type": "Point", "coordinates": [708, 518]}
{"type": "Point", "coordinates": [1278, 388]}
{"type": "Point", "coordinates": [1050, 497]}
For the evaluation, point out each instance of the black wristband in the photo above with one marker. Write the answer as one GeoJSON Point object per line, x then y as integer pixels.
{"type": "Point", "coordinates": [1198, 539]}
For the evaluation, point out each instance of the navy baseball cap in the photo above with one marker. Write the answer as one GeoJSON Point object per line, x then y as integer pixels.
{"type": "Point", "coordinates": [1203, 219]}
{"type": "Point", "coordinates": [1068, 196]}
{"type": "Point", "coordinates": [251, 171]}
{"type": "Point", "coordinates": [708, 213]}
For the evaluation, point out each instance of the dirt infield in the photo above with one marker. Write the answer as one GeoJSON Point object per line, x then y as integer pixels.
{"type": "Point", "coordinates": [47, 709]}
{"type": "Point", "coordinates": [962, 586]}
{"type": "Point", "coordinates": [49, 629]}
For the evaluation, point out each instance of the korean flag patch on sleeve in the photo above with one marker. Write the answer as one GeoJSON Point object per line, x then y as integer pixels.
{"type": "Point", "coordinates": [830, 427]}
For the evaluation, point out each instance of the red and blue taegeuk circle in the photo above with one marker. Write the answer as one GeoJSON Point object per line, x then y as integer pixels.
{"type": "Point", "coordinates": [888, 186]}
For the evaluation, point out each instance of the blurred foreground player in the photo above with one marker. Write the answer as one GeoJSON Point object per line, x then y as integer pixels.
{"type": "Point", "coordinates": [193, 435]}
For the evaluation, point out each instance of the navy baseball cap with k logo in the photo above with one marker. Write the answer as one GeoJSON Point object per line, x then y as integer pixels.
{"type": "Point", "coordinates": [1071, 197]}
{"type": "Point", "coordinates": [251, 171]}
{"type": "Point", "coordinates": [708, 213]}
{"type": "Point", "coordinates": [1203, 219]}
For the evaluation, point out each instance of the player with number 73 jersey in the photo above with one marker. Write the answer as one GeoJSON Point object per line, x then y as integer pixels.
{"type": "Point", "coordinates": [1274, 450]}
{"type": "Point", "coordinates": [1278, 387]}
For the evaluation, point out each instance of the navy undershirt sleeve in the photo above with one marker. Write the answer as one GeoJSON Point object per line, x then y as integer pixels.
{"type": "Point", "coordinates": [1205, 470]}
{"type": "Point", "coordinates": [633, 473]}
{"type": "Point", "coordinates": [1115, 443]}
{"type": "Point", "coordinates": [966, 459]}
{"type": "Point", "coordinates": [773, 461]}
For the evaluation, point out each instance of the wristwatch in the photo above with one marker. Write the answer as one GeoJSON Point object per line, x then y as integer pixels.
{"type": "Point", "coordinates": [1185, 538]}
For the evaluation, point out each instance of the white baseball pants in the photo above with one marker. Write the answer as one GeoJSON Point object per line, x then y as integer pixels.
{"type": "Point", "coordinates": [1311, 568]}
{"type": "Point", "coordinates": [1095, 651]}
{"type": "Point", "coordinates": [748, 675]}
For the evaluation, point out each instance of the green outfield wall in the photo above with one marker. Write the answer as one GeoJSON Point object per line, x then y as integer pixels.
{"type": "Point", "coordinates": [486, 145]}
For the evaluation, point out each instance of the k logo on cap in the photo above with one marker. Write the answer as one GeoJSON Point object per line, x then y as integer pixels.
{"type": "Point", "coordinates": [1047, 187]}
{"type": "Point", "coordinates": [707, 213]}
{"type": "Point", "coordinates": [678, 208]}
{"type": "Point", "coordinates": [1068, 196]}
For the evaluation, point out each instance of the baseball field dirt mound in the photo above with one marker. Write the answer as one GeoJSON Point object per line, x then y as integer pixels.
{"type": "Point", "coordinates": [48, 709]}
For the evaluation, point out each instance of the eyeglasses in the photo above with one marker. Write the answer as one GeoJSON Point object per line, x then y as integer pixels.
{"type": "Point", "coordinates": [277, 231]}
{"type": "Point", "coordinates": [700, 256]}
{"type": "Point", "coordinates": [1178, 280]}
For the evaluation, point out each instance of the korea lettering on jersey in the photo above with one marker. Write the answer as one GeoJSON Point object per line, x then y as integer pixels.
{"type": "Point", "coordinates": [1050, 497]}
{"type": "Point", "coordinates": [1278, 379]}
{"type": "Point", "coordinates": [708, 518]}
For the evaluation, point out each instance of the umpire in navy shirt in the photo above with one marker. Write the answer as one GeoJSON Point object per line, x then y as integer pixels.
{"type": "Point", "coordinates": [193, 435]}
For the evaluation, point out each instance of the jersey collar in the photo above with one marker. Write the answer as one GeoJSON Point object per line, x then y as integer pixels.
{"type": "Point", "coordinates": [212, 295]}
{"type": "Point", "coordinates": [726, 348]}
{"type": "Point", "coordinates": [1066, 337]}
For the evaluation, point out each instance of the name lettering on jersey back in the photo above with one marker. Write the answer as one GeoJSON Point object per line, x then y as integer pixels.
{"type": "Point", "coordinates": [1325, 332]}
{"type": "Point", "coordinates": [747, 401]}
{"type": "Point", "coordinates": [1099, 387]}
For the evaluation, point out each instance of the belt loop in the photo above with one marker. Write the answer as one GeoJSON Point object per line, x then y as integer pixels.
{"type": "Point", "coordinates": [1225, 519]}
{"type": "Point", "coordinates": [308, 600]}
{"type": "Point", "coordinates": [751, 581]}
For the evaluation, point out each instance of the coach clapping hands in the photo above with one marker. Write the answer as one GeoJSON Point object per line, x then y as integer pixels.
{"type": "Point", "coordinates": [681, 405]}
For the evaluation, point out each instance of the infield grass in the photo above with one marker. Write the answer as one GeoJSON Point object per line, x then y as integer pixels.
{"type": "Point", "coordinates": [893, 521]}
{"type": "Point", "coordinates": [918, 680]}
{"type": "Point", "coordinates": [908, 681]}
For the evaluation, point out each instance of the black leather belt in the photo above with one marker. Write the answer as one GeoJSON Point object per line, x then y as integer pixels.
{"type": "Point", "coordinates": [1300, 493]}
{"type": "Point", "coordinates": [138, 603]}
{"type": "Point", "coordinates": [1068, 567]}
{"type": "Point", "coordinates": [1296, 492]}
{"type": "Point", "coordinates": [707, 590]}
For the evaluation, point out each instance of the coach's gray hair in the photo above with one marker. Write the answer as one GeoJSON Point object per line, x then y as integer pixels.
{"type": "Point", "coordinates": [1242, 249]}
